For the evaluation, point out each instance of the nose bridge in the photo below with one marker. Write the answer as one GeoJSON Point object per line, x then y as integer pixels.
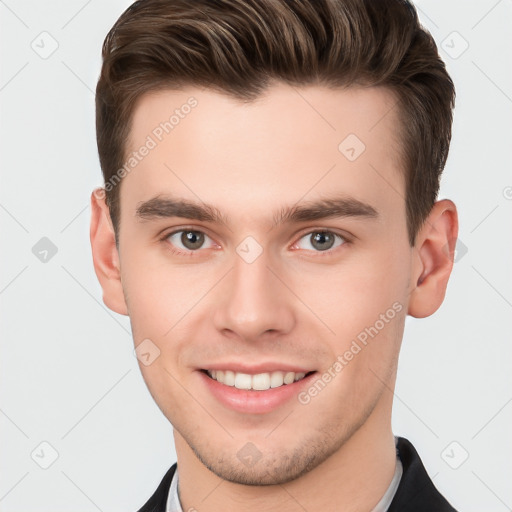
{"type": "Point", "coordinates": [253, 300]}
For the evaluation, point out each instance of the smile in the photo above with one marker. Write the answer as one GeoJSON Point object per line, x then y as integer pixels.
{"type": "Point", "coordinates": [257, 382]}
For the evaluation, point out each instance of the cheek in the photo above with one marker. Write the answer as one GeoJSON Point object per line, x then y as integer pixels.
{"type": "Point", "coordinates": [352, 294]}
{"type": "Point", "coordinates": [157, 295]}
{"type": "Point", "coordinates": [363, 302]}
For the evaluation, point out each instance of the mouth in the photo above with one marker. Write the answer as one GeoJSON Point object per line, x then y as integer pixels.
{"type": "Point", "coordinates": [256, 382]}
{"type": "Point", "coordinates": [253, 390]}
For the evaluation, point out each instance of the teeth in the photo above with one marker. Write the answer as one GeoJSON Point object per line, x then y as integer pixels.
{"type": "Point", "coordinates": [229, 378]}
{"type": "Point", "coordinates": [259, 382]}
{"type": "Point", "coordinates": [276, 379]}
{"type": "Point", "coordinates": [243, 381]}
{"type": "Point", "coordinates": [289, 378]}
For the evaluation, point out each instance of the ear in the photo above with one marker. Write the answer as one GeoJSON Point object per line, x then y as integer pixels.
{"type": "Point", "coordinates": [433, 260]}
{"type": "Point", "coordinates": [105, 254]}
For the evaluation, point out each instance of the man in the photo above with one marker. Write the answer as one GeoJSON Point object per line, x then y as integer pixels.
{"type": "Point", "coordinates": [268, 220]}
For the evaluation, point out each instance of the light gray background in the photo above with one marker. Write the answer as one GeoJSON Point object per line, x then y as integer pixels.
{"type": "Point", "coordinates": [68, 376]}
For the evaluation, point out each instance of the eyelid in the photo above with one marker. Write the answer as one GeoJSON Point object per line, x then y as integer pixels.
{"type": "Point", "coordinates": [343, 234]}
{"type": "Point", "coordinates": [167, 234]}
{"type": "Point", "coordinates": [346, 239]}
{"type": "Point", "coordinates": [177, 229]}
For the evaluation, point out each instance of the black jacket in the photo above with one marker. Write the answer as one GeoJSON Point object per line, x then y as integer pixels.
{"type": "Point", "coordinates": [415, 493]}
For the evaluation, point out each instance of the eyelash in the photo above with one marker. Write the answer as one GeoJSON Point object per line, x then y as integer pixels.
{"type": "Point", "coordinates": [320, 254]}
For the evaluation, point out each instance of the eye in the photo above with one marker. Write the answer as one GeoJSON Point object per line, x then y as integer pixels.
{"type": "Point", "coordinates": [189, 240]}
{"type": "Point", "coordinates": [320, 241]}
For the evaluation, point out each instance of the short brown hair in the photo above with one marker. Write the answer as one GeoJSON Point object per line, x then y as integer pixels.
{"type": "Point", "coordinates": [238, 46]}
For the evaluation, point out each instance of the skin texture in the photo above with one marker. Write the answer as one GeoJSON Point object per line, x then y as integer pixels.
{"type": "Point", "coordinates": [294, 303]}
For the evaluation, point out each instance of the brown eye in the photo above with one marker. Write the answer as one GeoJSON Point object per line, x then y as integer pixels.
{"type": "Point", "coordinates": [189, 240]}
{"type": "Point", "coordinates": [192, 239]}
{"type": "Point", "coordinates": [320, 241]}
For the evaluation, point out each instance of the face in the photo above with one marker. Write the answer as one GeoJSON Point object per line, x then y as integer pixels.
{"type": "Point", "coordinates": [266, 241]}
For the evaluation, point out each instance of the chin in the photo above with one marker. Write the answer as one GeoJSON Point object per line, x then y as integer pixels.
{"type": "Point", "coordinates": [248, 466]}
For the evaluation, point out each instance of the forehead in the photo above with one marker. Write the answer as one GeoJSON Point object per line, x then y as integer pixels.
{"type": "Point", "coordinates": [288, 144]}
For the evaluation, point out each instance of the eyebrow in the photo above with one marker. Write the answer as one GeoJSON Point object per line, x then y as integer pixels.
{"type": "Point", "coordinates": [166, 207]}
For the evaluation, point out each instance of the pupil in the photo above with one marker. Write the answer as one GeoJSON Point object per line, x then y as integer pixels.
{"type": "Point", "coordinates": [322, 241]}
{"type": "Point", "coordinates": [192, 239]}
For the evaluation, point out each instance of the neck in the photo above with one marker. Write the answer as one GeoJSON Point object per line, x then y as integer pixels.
{"type": "Point", "coordinates": [354, 478]}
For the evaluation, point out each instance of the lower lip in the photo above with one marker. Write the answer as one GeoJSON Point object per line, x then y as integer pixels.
{"type": "Point", "coordinates": [251, 401]}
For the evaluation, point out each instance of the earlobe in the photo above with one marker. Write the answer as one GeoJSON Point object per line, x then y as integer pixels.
{"type": "Point", "coordinates": [433, 259]}
{"type": "Point", "coordinates": [105, 254]}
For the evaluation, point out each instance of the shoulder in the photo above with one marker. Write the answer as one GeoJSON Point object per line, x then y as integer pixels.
{"type": "Point", "coordinates": [158, 500]}
{"type": "Point", "coordinates": [416, 491]}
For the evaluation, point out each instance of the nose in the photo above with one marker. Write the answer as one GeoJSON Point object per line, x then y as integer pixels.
{"type": "Point", "coordinates": [253, 302]}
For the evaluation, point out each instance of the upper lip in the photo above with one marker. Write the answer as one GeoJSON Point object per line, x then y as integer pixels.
{"type": "Point", "coordinates": [254, 369]}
